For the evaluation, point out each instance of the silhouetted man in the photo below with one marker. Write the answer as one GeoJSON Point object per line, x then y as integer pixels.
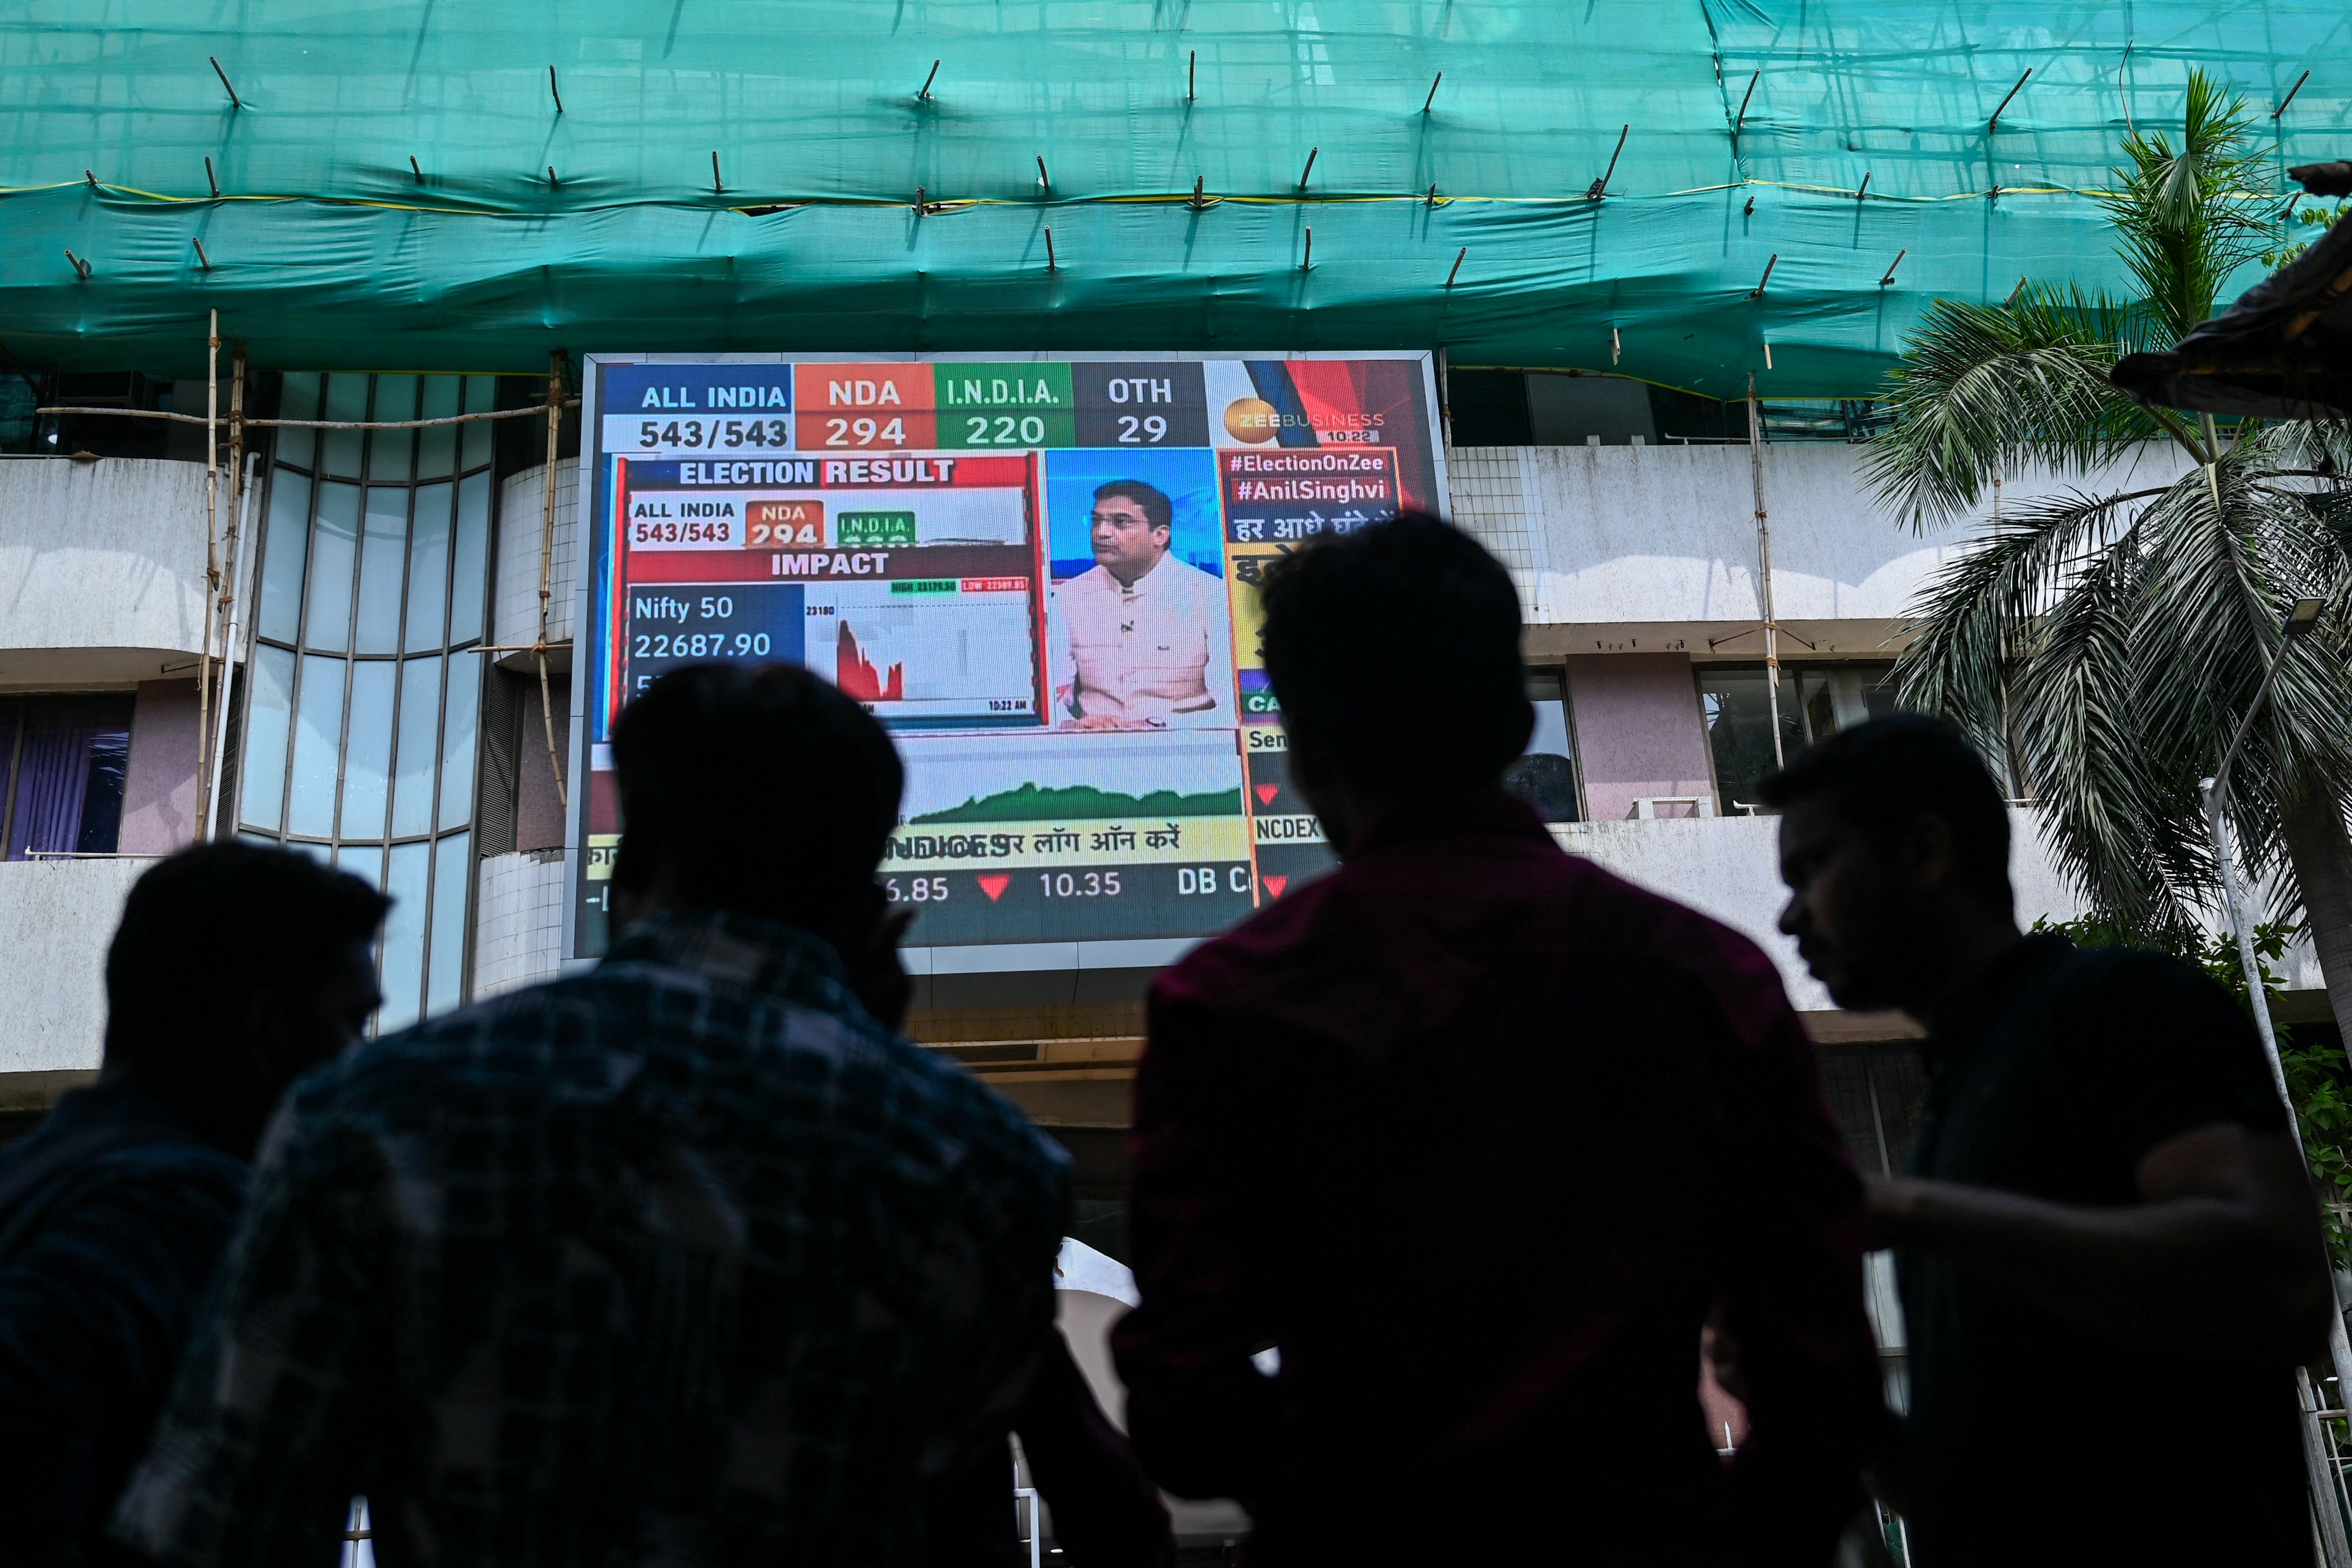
{"type": "Point", "coordinates": [2109, 1256]}
{"type": "Point", "coordinates": [1474, 1134]}
{"type": "Point", "coordinates": [234, 970]}
{"type": "Point", "coordinates": [688, 1260]}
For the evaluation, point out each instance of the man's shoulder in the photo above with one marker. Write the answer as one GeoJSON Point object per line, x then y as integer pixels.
{"type": "Point", "coordinates": [2105, 996]}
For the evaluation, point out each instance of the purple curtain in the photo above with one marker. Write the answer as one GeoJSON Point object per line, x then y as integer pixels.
{"type": "Point", "coordinates": [52, 782]}
{"type": "Point", "coordinates": [63, 741]}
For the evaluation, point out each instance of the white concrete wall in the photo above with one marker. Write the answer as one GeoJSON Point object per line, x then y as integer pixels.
{"type": "Point", "coordinates": [517, 922]}
{"type": "Point", "coordinates": [101, 568]}
{"type": "Point", "coordinates": [1607, 538]}
{"type": "Point", "coordinates": [514, 615]}
{"type": "Point", "coordinates": [56, 919]}
{"type": "Point", "coordinates": [1730, 867]}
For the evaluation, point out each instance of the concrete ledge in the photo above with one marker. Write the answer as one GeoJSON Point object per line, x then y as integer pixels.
{"type": "Point", "coordinates": [104, 558]}
{"type": "Point", "coordinates": [37, 1091]}
{"type": "Point", "coordinates": [56, 919]}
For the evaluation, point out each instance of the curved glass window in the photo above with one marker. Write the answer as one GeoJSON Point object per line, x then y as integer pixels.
{"type": "Point", "coordinates": [365, 680]}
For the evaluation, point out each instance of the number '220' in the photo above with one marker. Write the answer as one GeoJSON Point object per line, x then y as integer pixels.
{"type": "Point", "coordinates": [1028, 431]}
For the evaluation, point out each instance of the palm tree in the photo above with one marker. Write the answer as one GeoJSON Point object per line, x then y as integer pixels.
{"type": "Point", "coordinates": [2107, 639]}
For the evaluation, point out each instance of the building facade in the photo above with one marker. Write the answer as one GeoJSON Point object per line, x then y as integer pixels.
{"type": "Point", "coordinates": [385, 707]}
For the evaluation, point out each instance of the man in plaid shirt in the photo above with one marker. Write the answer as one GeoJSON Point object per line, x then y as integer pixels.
{"type": "Point", "coordinates": [689, 1259]}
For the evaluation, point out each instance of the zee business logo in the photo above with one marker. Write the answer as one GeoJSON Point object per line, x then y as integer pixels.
{"type": "Point", "coordinates": [1254, 420]}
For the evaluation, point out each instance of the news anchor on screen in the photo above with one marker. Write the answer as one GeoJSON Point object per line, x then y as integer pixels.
{"type": "Point", "coordinates": [1141, 640]}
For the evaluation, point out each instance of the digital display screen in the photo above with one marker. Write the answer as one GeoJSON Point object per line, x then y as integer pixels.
{"type": "Point", "coordinates": [1039, 574]}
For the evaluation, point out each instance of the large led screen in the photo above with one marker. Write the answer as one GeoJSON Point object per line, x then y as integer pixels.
{"type": "Point", "coordinates": [1039, 573]}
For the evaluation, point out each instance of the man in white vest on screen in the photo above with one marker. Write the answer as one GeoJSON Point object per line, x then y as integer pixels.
{"type": "Point", "coordinates": [1143, 638]}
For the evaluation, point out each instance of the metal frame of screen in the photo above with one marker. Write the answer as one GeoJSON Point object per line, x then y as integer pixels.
{"type": "Point", "coordinates": [935, 957]}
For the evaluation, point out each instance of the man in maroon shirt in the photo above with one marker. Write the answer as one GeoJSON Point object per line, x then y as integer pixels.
{"type": "Point", "coordinates": [1477, 1135]}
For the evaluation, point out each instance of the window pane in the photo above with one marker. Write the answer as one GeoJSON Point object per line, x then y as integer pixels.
{"type": "Point", "coordinates": [269, 708]}
{"type": "Point", "coordinates": [333, 544]}
{"type": "Point", "coordinates": [1737, 706]}
{"type": "Point", "coordinates": [362, 861]}
{"type": "Point", "coordinates": [100, 830]}
{"type": "Point", "coordinates": [285, 547]}
{"type": "Point", "coordinates": [392, 452]}
{"type": "Point", "coordinates": [318, 746]}
{"type": "Point", "coordinates": [367, 755]}
{"type": "Point", "coordinates": [420, 724]}
{"type": "Point", "coordinates": [481, 396]}
{"type": "Point", "coordinates": [1545, 775]}
{"type": "Point", "coordinates": [346, 399]}
{"type": "Point", "coordinates": [452, 883]}
{"type": "Point", "coordinates": [70, 760]}
{"type": "Point", "coordinates": [404, 937]}
{"type": "Point", "coordinates": [428, 566]}
{"type": "Point", "coordinates": [383, 547]}
{"type": "Point", "coordinates": [473, 551]}
{"type": "Point", "coordinates": [300, 399]}
{"type": "Point", "coordinates": [1844, 695]}
{"type": "Point", "coordinates": [458, 740]}
{"type": "Point", "coordinates": [437, 448]}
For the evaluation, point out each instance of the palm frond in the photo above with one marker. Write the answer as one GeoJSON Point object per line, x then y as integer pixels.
{"type": "Point", "coordinates": [1986, 390]}
{"type": "Point", "coordinates": [2186, 214]}
{"type": "Point", "coordinates": [2074, 715]}
{"type": "Point", "coordinates": [1982, 614]}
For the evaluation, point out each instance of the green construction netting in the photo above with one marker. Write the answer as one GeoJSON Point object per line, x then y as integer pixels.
{"type": "Point", "coordinates": [328, 250]}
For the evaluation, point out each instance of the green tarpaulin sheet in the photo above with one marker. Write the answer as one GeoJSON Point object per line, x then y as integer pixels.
{"type": "Point", "coordinates": [326, 248]}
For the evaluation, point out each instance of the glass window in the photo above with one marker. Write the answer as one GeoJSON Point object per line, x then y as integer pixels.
{"type": "Point", "coordinates": [446, 967]}
{"type": "Point", "coordinates": [318, 747]}
{"type": "Point", "coordinates": [362, 861]}
{"type": "Point", "coordinates": [64, 760]}
{"type": "Point", "coordinates": [391, 452]}
{"type": "Point", "coordinates": [473, 563]}
{"type": "Point", "coordinates": [428, 566]}
{"type": "Point", "coordinates": [299, 398]}
{"type": "Point", "coordinates": [334, 544]}
{"type": "Point", "coordinates": [1545, 775]}
{"type": "Point", "coordinates": [404, 935]}
{"type": "Point", "coordinates": [1840, 698]}
{"type": "Point", "coordinates": [284, 548]}
{"type": "Point", "coordinates": [436, 446]}
{"type": "Point", "coordinates": [384, 544]}
{"type": "Point", "coordinates": [1816, 701]}
{"type": "Point", "coordinates": [367, 754]}
{"type": "Point", "coordinates": [347, 398]}
{"type": "Point", "coordinates": [481, 396]}
{"type": "Point", "coordinates": [268, 719]}
{"type": "Point", "coordinates": [420, 727]}
{"type": "Point", "coordinates": [458, 722]}
{"type": "Point", "coordinates": [369, 758]}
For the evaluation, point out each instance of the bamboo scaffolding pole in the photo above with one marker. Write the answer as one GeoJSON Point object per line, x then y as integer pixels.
{"type": "Point", "coordinates": [211, 574]}
{"type": "Point", "coordinates": [240, 480]}
{"type": "Point", "coordinates": [1764, 564]}
{"type": "Point", "coordinates": [556, 403]}
{"type": "Point", "coordinates": [239, 574]}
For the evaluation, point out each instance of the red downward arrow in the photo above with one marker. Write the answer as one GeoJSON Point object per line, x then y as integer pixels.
{"type": "Point", "coordinates": [994, 887]}
{"type": "Point", "coordinates": [1266, 792]}
{"type": "Point", "coordinates": [1275, 884]}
